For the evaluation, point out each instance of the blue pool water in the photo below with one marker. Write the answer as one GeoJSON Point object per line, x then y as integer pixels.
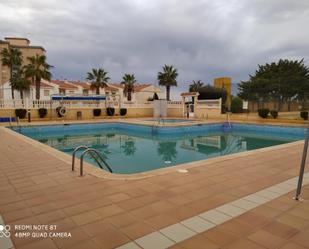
{"type": "Point", "coordinates": [136, 148]}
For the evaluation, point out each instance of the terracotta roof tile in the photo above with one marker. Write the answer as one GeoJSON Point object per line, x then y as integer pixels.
{"type": "Point", "coordinates": [111, 88]}
{"type": "Point", "coordinates": [82, 84]}
{"type": "Point", "coordinates": [43, 85]}
{"type": "Point", "coordinates": [137, 87]}
{"type": "Point", "coordinates": [64, 85]}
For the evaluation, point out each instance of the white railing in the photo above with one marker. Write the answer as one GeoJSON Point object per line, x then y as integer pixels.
{"type": "Point", "coordinates": [174, 103]}
{"type": "Point", "coordinates": [36, 104]}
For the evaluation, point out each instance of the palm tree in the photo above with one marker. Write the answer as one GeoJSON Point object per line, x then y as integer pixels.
{"type": "Point", "coordinates": [20, 82]}
{"type": "Point", "coordinates": [38, 69]}
{"type": "Point", "coordinates": [167, 78]}
{"type": "Point", "coordinates": [98, 79]}
{"type": "Point", "coordinates": [129, 148]}
{"type": "Point", "coordinates": [128, 85]}
{"type": "Point", "coordinates": [196, 85]}
{"type": "Point", "coordinates": [167, 150]}
{"type": "Point", "coordinates": [13, 59]}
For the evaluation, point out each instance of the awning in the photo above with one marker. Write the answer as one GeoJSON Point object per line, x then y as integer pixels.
{"type": "Point", "coordinates": [78, 98]}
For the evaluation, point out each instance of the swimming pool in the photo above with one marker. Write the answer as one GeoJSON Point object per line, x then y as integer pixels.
{"type": "Point", "coordinates": [132, 148]}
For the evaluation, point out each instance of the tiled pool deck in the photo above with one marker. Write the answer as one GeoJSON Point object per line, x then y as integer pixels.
{"type": "Point", "coordinates": [168, 209]}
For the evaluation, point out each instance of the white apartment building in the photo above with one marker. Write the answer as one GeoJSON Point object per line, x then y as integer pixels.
{"type": "Point", "coordinates": [142, 92]}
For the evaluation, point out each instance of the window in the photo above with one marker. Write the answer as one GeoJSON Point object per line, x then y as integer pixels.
{"type": "Point", "coordinates": [61, 91]}
{"type": "Point", "coordinates": [85, 92]}
{"type": "Point", "coordinates": [46, 93]}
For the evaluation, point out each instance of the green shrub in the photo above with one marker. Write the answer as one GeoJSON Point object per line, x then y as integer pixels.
{"type": "Point", "coordinates": [96, 112]}
{"type": "Point", "coordinates": [304, 115]}
{"type": "Point", "coordinates": [42, 112]}
{"type": "Point", "coordinates": [224, 109]}
{"type": "Point", "coordinates": [20, 113]}
{"type": "Point", "coordinates": [110, 111]}
{"type": "Point", "coordinates": [263, 113]}
{"type": "Point", "coordinates": [236, 105]}
{"type": "Point", "coordinates": [123, 111]}
{"type": "Point", "coordinates": [274, 113]}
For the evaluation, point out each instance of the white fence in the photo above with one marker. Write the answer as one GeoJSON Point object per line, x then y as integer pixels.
{"type": "Point", "coordinates": [174, 104]}
{"type": "Point", "coordinates": [36, 104]}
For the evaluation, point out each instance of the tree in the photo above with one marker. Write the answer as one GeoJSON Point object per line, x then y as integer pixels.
{"type": "Point", "coordinates": [128, 85]}
{"type": "Point", "coordinates": [236, 105]}
{"type": "Point", "coordinates": [167, 78]}
{"type": "Point", "coordinates": [196, 86]}
{"type": "Point", "coordinates": [211, 92]}
{"type": "Point", "coordinates": [20, 82]}
{"type": "Point", "coordinates": [98, 79]}
{"type": "Point", "coordinates": [281, 81]}
{"type": "Point", "coordinates": [13, 59]}
{"type": "Point", "coordinates": [38, 69]}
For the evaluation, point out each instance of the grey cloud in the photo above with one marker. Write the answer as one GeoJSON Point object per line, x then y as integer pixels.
{"type": "Point", "coordinates": [202, 38]}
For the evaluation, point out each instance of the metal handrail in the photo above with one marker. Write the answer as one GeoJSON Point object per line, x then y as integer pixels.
{"type": "Point", "coordinates": [90, 150]}
{"type": "Point", "coordinates": [74, 152]}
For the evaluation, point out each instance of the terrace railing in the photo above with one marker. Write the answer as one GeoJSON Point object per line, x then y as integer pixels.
{"type": "Point", "coordinates": [174, 103]}
{"type": "Point", "coordinates": [36, 104]}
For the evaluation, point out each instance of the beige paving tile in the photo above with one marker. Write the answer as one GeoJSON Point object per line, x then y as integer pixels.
{"type": "Point", "coordinates": [5, 243]}
{"type": "Point", "coordinates": [231, 210]}
{"type": "Point", "coordinates": [244, 204]}
{"type": "Point", "coordinates": [198, 224]}
{"type": "Point", "coordinates": [267, 194]}
{"type": "Point", "coordinates": [286, 186]}
{"type": "Point", "coordinates": [177, 232]}
{"type": "Point", "coordinates": [215, 216]}
{"type": "Point", "coordinates": [256, 198]}
{"type": "Point", "coordinates": [154, 240]}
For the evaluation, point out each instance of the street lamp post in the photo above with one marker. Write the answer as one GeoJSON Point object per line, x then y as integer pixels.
{"type": "Point", "coordinates": [302, 167]}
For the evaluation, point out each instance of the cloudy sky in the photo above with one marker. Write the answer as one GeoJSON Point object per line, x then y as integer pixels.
{"type": "Point", "coordinates": [203, 39]}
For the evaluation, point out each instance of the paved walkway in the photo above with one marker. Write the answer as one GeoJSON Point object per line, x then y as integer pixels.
{"type": "Point", "coordinates": [38, 188]}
